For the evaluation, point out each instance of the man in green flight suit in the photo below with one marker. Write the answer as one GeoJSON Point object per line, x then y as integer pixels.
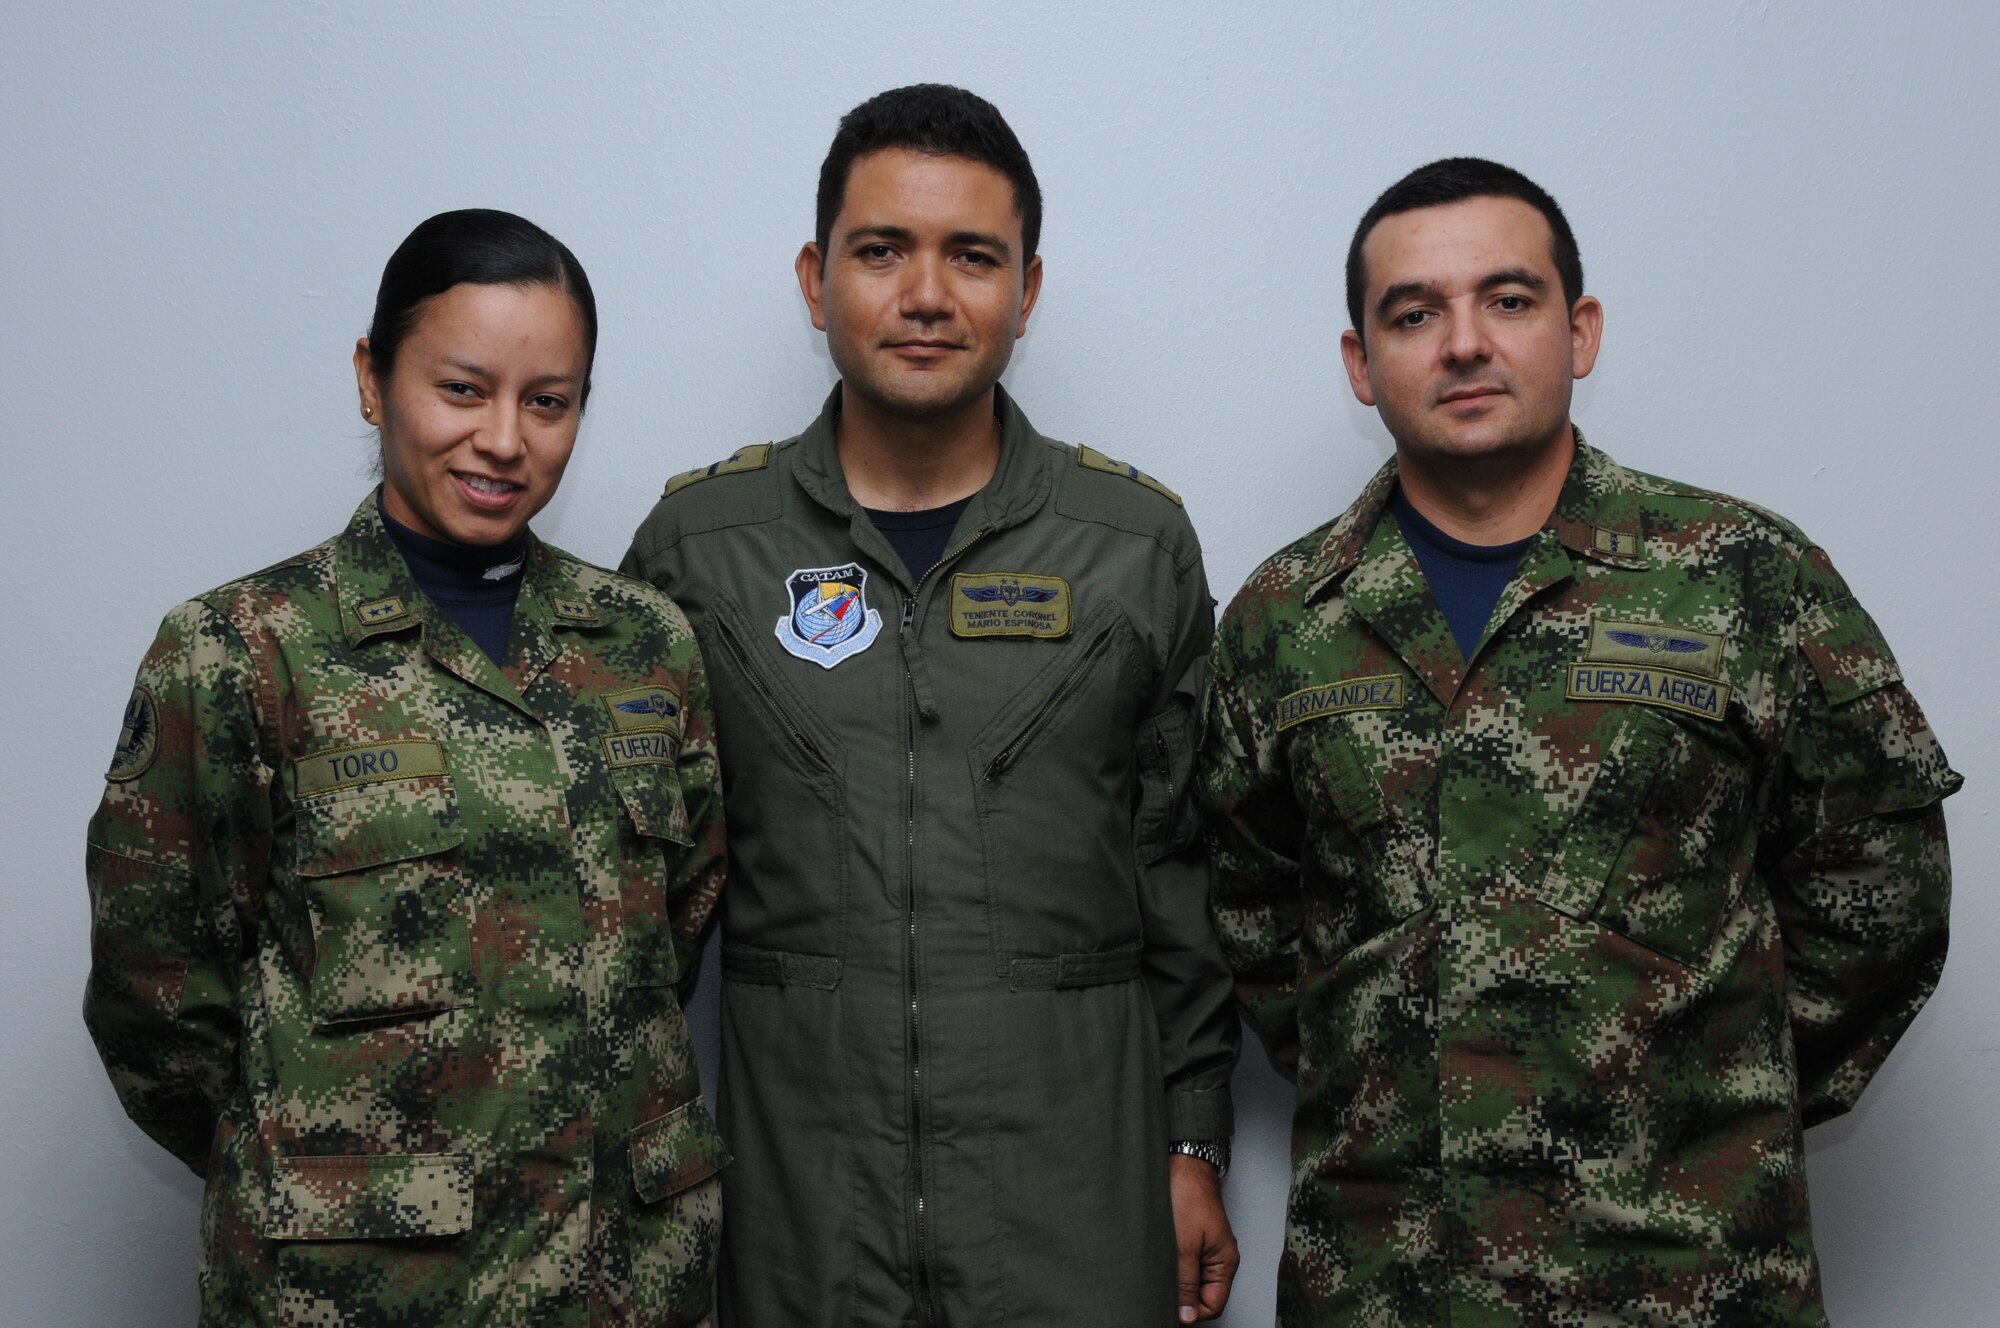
{"type": "Point", "coordinates": [1577, 843]}
{"type": "Point", "coordinates": [976, 1027]}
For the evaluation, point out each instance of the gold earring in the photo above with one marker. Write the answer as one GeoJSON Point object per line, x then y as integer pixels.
{"type": "Point", "coordinates": [367, 412]}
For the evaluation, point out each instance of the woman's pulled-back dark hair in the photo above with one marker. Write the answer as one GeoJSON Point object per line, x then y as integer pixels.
{"type": "Point", "coordinates": [484, 247]}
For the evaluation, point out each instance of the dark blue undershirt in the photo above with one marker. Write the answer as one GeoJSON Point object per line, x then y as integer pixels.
{"type": "Point", "coordinates": [455, 577]}
{"type": "Point", "coordinates": [1465, 579]}
{"type": "Point", "coordinates": [919, 538]}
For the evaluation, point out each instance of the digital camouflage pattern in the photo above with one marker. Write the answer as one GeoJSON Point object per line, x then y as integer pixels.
{"type": "Point", "coordinates": [1565, 946]}
{"type": "Point", "coordinates": [970, 989]}
{"type": "Point", "coordinates": [388, 944]}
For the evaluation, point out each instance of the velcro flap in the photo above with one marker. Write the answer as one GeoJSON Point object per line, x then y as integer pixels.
{"type": "Point", "coordinates": [1056, 972]}
{"type": "Point", "coordinates": [368, 1197]}
{"type": "Point", "coordinates": [779, 968]}
{"type": "Point", "coordinates": [1847, 651]}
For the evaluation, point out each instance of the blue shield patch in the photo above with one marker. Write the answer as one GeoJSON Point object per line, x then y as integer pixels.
{"type": "Point", "coordinates": [830, 618]}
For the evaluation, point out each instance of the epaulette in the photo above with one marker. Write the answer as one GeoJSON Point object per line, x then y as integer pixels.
{"type": "Point", "coordinates": [755, 457]}
{"type": "Point", "coordinates": [1092, 459]}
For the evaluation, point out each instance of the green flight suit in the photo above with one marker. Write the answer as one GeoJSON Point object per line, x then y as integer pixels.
{"type": "Point", "coordinates": [386, 943]}
{"type": "Point", "coordinates": [970, 989]}
{"type": "Point", "coordinates": [1567, 944]}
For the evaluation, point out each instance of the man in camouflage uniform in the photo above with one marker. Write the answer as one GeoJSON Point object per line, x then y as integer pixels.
{"type": "Point", "coordinates": [388, 943]}
{"type": "Point", "coordinates": [970, 992]}
{"type": "Point", "coordinates": [1569, 904]}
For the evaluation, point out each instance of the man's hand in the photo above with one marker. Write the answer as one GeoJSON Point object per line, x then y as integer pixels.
{"type": "Point", "coordinates": [1208, 1255]}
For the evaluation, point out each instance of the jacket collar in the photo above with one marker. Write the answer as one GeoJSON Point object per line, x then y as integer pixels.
{"type": "Point", "coordinates": [378, 597]}
{"type": "Point", "coordinates": [1597, 516]}
{"type": "Point", "coordinates": [1020, 483]}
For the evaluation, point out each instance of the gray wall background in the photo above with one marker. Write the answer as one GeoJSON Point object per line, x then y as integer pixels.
{"type": "Point", "coordinates": [1787, 208]}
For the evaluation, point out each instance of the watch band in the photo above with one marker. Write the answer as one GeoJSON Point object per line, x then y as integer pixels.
{"type": "Point", "coordinates": [1215, 1152]}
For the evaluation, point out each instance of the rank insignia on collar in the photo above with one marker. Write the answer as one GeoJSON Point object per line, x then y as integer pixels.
{"type": "Point", "coordinates": [830, 618]}
{"type": "Point", "coordinates": [378, 611]}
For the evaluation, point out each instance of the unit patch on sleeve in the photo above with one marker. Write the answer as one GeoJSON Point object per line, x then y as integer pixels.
{"type": "Point", "coordinates": [138, 737]}
{"type": "Point", "coordinates": [1382, 691]}
{"type": "Point", "coordinates": [1009, 604]}
{"type": "Point", "coordinates": [830, 618]}
{"type": "Point", "coordinates": [1682, 649]}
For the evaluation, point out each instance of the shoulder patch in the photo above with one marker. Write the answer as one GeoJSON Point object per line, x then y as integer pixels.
{"type": "Point", "coordinates": [138, 737]}
{"type": "Point", "coordinates": [1092, 459]}
{"type": "Point", "coordinates": [743, 459]}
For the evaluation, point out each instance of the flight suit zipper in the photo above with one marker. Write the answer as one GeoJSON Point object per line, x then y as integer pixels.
{"type": "Point", "coordinates": [926, 1312]}
{"type": "Point", "coordinates": [772, 706]}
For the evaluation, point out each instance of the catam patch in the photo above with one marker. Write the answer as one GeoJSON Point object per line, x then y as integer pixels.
{"type": "Point", "coordinates": [1382, 691]}
{"type": "Point", "coordinates": [1009, 604]}
{"type": "Point", "coordinates": [830, 618]}
{"type": "Point", "coordinates": [138, 737]}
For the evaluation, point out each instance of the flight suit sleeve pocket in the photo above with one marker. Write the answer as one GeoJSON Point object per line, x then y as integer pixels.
{"type": "Point", "coordinates": [384, 889]}
{"type": "Point", "coordinates": [674, 1151]}
{"type": "Point", "coordinates": [1166, 821]}
{"type": "Point", "coordinates": [370, 1197]}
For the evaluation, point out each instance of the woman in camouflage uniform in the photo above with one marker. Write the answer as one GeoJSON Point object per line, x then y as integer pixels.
{"type": "Point", "coordinates": [403, 859]}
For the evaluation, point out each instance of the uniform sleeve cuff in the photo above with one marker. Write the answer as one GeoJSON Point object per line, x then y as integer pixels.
{"type": "Point", "coordinates": [1199, 1113]}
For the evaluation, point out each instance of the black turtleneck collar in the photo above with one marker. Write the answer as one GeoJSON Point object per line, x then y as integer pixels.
{"type": "Point", "coordinates": [474, 585]}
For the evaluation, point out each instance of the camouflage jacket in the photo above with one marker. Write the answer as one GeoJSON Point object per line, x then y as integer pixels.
{"type": "Point", "coordinates": [386, 943]}
{"type": "Point", "coordinates": [970, 988]}
{"type": "Point", "coordinates": [1565, 945]}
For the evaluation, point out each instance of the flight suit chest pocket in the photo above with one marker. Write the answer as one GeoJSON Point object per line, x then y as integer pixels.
{"type": "Point", "coordinates": [379, 867]}
{"type": "Point", "coordinates": [651, 842]}
{"type": "Point", "coordinates": [1054, 777]}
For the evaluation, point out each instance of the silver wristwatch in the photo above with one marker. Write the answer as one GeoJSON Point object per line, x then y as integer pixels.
{"type": "Point", "coordinates": [1215, 1152]}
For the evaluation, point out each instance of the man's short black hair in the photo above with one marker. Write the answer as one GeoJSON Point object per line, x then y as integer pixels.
{"type": "Point", "coordinates": [938, 119]}
{"type": "Point", "coordinates": [1453, 180]}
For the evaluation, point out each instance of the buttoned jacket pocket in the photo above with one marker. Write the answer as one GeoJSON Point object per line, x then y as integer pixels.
{"type": "Point", "coordinates": [375, 1238]}
{"type": "Point", "coordinates": [676, 1229]}
{"type": "Point", "coordinates": [653, 837]}
{"type": "Point", "coordinates": [379, 868]}
{"type": "Point", "coordinates": [1658, 848]}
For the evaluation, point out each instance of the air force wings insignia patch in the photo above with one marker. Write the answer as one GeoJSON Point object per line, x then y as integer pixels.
{"type": "Point", "coordinates": [635, 708]}
{"type": "Point", "coordinates": [830, 618]}
{"type": "Point", "coordinates": [1683, 649]}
